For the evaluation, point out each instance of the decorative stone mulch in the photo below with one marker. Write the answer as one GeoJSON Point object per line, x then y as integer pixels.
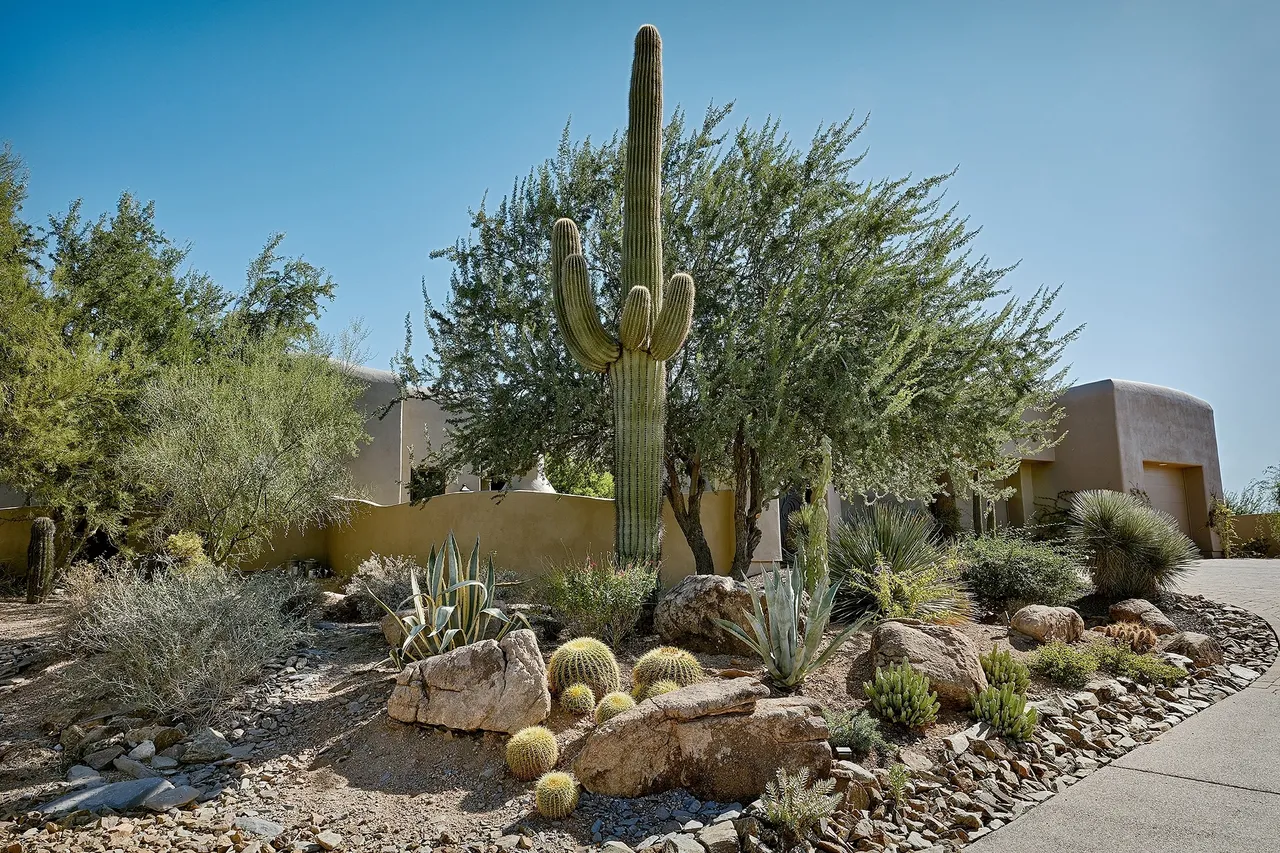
{"type": "Point", "coordinates": [982, 783]}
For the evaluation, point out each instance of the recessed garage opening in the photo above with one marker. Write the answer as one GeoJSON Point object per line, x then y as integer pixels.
{"type": "Point", "coordinates": [1165, 487]}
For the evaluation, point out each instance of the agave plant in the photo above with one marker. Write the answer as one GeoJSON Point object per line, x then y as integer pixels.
{"type": "Point", "coordinates": [456, 608]}
{"type": "Point", "coordinates": [784, 633]}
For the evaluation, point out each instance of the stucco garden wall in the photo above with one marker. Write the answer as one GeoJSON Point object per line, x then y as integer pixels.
{"type": "Point", "coordinates": [15, 534]}
{"type": "Point", "coordinates": [523, 530]}
{"type": "Point", "coordinates": [1253, 526]}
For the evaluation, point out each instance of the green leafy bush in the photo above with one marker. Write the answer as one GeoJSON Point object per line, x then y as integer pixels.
{"type": "Point", "coordinates": [1119, 658]}
{"type": "Point", "coordinates": [889, 564]}
{"type": "Point", "coordinates": [173, 642]}
{"type": "Point", "coordinates": [1002, 669]}
{"type": "Point", "coordinates": [795, 806]}
{"type": "Point", "coordinates": [1007, 568]}
{"type": "Point", "coordinates": [900, 694]}
{"type": "Point", "coordinates": [785, 634]}
{"type": "Point", "coordinates": [454, 609]}
{"type": "Point", "coordinates": [1005, 710]}
{"type": "Point", "coordinates": [599, 598]}
{"type": "Point", "coordinates": [896, 786]}
{"type": "Point", "coordinates": [1071, 666]}
{"type": "Point", "coordinates": [857, 731]}
{"type": "Point", "coordinates": [1131, 549]}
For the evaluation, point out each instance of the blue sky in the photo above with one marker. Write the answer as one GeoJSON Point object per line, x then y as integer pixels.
{"type": "Point", "coordinates": [1123, 150]}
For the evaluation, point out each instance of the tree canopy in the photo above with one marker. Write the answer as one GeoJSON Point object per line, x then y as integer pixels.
{"type": "Point", "coordinates": [828, 306]}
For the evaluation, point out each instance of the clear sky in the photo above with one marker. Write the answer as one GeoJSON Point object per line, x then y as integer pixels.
{"type": "Point", "coordinates": [1127, 151]}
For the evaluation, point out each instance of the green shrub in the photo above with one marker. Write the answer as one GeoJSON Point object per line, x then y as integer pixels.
{"type": "Point", "coordinates": [786, 635]}
{"type": "Point", "coordinates": [900, 694]}
{"type": "Point", "coordinates": [795, 807]}
{"type": "Point", "coordinates": [186, 549]}
{"type": "Point", "coordinates": [1002, 669]}
{"type": "Point", "coordinates": [182, 643]}
{"type": "Point", "coordinates": [1071, 666]}
{"type": "Point", "coordinates": [380, 579]}
{"type": "Point", "coordinates": [455, 608]}
{"type": "Point", "coordinates": [857, 731]}
{"type": "Point", "coordinates": [1007, 568]}
{"type": "Point", "coordinates": [1119, 658]}
{"type": "Point", "coordinates": [1131, 549]}
{"type": "Point", "coordinates": [598, 598]}
{"type": "Point", "coordinates": [888, 563]}
{"type": "Point", "coordinates": [1005, 710]}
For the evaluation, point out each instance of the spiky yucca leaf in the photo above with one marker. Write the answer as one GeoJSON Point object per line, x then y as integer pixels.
{"type": "Point", "coordinates": [1132, 549]}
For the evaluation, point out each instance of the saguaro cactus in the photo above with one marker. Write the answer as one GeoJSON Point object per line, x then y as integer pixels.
{"type": "Point", "coordinates": [40, 560]}
{"type": "Point", "coordinates": [653, 324]}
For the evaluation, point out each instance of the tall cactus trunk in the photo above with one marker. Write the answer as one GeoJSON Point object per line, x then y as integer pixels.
{"type": "Point", "coordinates": [40, 556]}
{"type": "Point", "coordinates": [654, 320]}
{"type": "Point", "coordinates": [639, 414]}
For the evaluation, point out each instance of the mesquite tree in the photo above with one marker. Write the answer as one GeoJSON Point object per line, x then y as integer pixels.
{"type": "Point", "coordinates": [653, 323]}
{"type": "Point", "coordinates": [828, 306]}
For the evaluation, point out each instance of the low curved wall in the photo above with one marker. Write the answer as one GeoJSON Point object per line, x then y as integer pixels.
{"type": "Point", "coordinates": [523, 531]}
{"type": "Point", "coordinates": [1254, 526]}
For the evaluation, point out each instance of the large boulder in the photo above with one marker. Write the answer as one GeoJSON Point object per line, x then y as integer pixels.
{"type": "Point", "coordinates": [1047, 624]}
{"type": "Point", "coordinates": [1201, 649]}
{"type": "Point", "coordinates": [1144, 613]}
{"type": "Point", "coordinates": [686, 615]}
{"type": "Point", "coordinates": [945, 654]}
{"type": "Point", "coordinates": [489, 685]}
{"type": "Point", "coordinates": [721, 740]}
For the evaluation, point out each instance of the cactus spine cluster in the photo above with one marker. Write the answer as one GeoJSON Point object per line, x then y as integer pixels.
{"type": "Point", "coordinates": [653, 324]}
{"type": "Point", "coordinates": [642, 692]}
{"type": "Point", "coordinates": [1006, 711]}
{"type": "Point", "coordinates": [1001, 669]}
{"type": "Point", "coordinates": [587, 661]}
{"type": "Point", "coordinates": [556, 795]}
{"type": "Point", "coordinates": [532, 752]}
{"type": "Point", "coordinates": [40, 560]}
{"type": "Point", "coordinates": [578, 699]}
{"type": "Point", "coordinates": [612, 705]}
{"type": "Point", "coordinates": [901, 695]}
{"type": "Point", "coordinates": [1140, 638]}
{"type": "Point", "coordinates": [666, 663]}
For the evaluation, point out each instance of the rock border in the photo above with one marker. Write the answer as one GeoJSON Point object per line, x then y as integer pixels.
{"type": "Point", "coordinates": [984, 782]}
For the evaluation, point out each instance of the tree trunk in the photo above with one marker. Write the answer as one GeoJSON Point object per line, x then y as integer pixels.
{"type": "Point", "coordinates": [747, 503]}
{"type": "Point", "coordinates": [687, 509]}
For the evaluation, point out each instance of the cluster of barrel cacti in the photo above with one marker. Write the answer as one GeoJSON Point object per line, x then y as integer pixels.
{"type": "Point", "coordinates": [665, 663]}
{"type": "Point", "coordinates": [1140, 638]}
{"type": "Point", "coordinates": [654, 321]}
{"type": "Point", "coordinates": [40, 560]}
{"type": "Point", "coordinates": [532, 753]}
{"type": "Point", "coordinates": [584, 660]}
{"type": "Point", "coordinates": [1006, 711]}
{"type": "Point", "coordinates": [613, 704]}
{"type": "Point", "coordinates": [899, 694]}
{"type": "Point", "coordinates": [1001, 669]}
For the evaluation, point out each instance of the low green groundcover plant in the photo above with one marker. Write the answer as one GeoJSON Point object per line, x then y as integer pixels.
{"type": "Point", "coordinates": [857, 731]}
{"type": "Point", "coordinates": [1073, 666]}
{"type": "Point", "coordinates": [1068, 665]}
{"type": "Point", "coordinates": [1006, 568]}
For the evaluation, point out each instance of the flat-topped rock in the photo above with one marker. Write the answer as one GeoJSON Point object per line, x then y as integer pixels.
{"type": "Point", "coordinates": [117, 796]}
{"type": "Point", "coordinates": [1144, 613]}
{"type": "Point", "coordinates": [945, 655]}
{"type": "Point", "coordinates": [1047, 624]}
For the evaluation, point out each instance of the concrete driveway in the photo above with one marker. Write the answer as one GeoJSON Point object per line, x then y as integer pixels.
{"type": "Point", "coordinates": [1210, 784]}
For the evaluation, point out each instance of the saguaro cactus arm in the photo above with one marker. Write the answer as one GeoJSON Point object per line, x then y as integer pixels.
{"type": "Point", "coordinates": [584, 336]}
{"type": "Point", "coordinates": [675, 318]}
{"type": "Point", "coordinates": [637, 319]}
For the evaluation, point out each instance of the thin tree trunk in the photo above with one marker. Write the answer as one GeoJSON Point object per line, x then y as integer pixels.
{"type": "Point", "coordinates": [747, 503]}
{"type": "Point", "coordinates": [687, 509]}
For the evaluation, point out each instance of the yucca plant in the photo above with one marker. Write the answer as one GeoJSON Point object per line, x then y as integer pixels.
{"type": "Point", "coordinates": [786, 635]}
{"type": "Point", "coordinates": [454, 610]}
{"type": "Point", "coordinates": [889, 565]}
{"type": "Point", "coordinates": [1131, 549]}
